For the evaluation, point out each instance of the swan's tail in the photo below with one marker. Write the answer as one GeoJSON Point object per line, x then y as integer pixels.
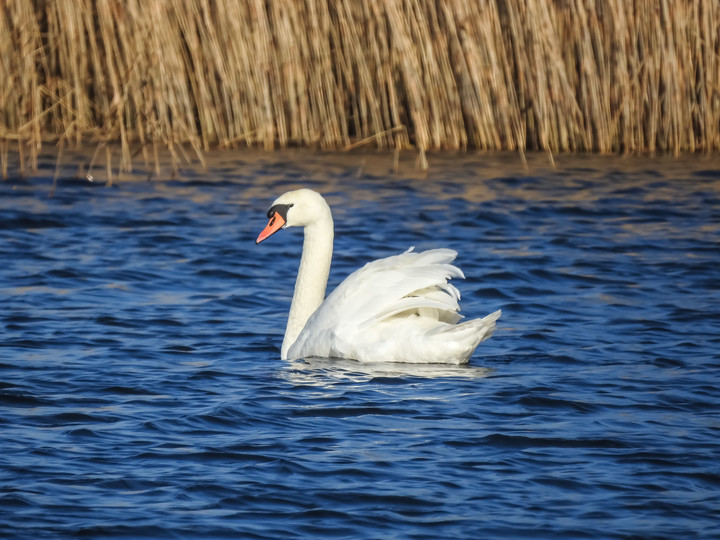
{"type": "Point", "coordinates": [462, 339]}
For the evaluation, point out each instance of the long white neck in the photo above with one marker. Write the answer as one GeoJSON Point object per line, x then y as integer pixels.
{"type": "Point", "coordinates": [311, 279]}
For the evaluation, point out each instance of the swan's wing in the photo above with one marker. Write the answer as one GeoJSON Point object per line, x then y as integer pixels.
{"type": "Point", "coordinates": [395, 286]}
{"type": "Point", "coordinates": [387, 287]}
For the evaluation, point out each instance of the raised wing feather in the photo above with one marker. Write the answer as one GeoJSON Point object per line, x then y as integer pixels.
{"type": "Point", "coordinates": [385, 287]}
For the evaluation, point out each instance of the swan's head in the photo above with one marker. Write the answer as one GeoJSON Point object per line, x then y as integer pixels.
{"type": "Point", "coordinates": [299, 208]}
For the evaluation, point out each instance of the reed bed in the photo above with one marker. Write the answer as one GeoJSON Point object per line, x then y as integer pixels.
{"type": "Point", "coordinates": [554, 75]}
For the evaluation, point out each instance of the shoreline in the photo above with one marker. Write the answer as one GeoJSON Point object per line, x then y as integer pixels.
{"type": "Point", "coordinates": [74, 165]}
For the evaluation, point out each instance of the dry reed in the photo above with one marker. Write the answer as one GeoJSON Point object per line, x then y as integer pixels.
{"type": "Point", "coordinates": [555, 75]}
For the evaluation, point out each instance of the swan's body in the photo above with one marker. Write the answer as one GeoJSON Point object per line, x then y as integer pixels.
{"type": "Point", "coordinates": [397, 309]}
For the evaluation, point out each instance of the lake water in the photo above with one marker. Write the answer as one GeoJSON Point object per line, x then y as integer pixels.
{"type": "Point", "coordinates": [142, 394]}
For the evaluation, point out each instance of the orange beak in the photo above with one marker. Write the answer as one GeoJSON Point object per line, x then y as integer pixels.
{"type": "Point", "coordinates": [274, 225]}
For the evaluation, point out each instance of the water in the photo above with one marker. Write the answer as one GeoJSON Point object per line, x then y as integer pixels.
{"type": "Point", "coordinates": [142, 394]}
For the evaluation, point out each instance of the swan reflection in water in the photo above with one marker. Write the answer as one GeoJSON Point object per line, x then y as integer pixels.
{"type": "Point", "coordinates": [315, 371]}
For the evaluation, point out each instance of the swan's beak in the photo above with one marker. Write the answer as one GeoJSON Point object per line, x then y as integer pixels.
{"type": "Point", "coordinates": [274, 225]}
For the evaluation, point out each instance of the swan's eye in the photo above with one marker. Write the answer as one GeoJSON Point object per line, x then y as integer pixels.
{"type": "Point", "coordinates": [279, 209]}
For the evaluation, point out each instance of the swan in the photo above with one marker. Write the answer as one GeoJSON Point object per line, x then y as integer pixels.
{"type": "Point", "coordinates": [397, 309]}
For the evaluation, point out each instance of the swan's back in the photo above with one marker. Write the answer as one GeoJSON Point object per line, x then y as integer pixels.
{"type": "Point", "coordinates": [398, 309]}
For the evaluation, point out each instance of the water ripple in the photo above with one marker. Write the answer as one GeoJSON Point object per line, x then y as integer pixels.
{"type": "Point", "coordinates": [142, 396]}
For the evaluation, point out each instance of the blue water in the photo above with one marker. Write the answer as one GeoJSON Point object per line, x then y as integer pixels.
{"type": "Point", "coordinates": [142, 394]}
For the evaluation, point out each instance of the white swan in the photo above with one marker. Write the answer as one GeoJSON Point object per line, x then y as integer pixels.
{"type": "Point", "coordinates": [397, 309]}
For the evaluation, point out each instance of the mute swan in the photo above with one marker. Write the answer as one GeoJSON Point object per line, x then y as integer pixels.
{"type": "Point", "coordinates": [397, 309]}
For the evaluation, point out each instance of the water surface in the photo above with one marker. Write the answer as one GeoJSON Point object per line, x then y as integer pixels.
{"type": "Point", "coordinates": [142, 394]}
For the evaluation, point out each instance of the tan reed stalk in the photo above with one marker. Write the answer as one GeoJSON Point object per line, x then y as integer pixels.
{"type": "Point", "coordinates": [4, 161]}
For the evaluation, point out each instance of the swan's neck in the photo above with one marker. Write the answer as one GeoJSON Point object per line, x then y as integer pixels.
{"type": "Point", "coordinates": [311, 279]}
